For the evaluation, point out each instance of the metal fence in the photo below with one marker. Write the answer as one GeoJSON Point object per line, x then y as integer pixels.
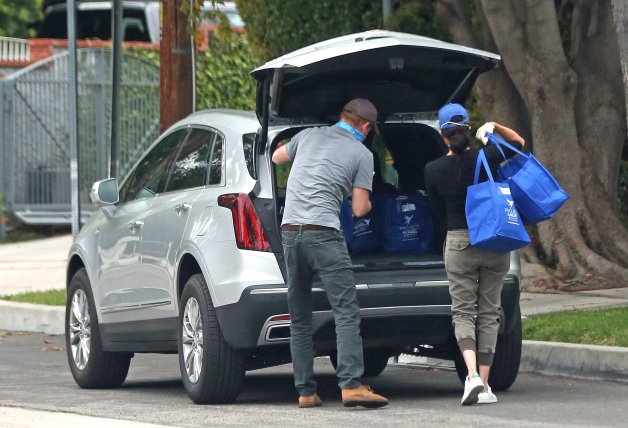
{"type": "Point", "coordinates": [34, 140]}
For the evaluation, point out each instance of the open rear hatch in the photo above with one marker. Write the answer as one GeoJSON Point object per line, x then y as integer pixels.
{"type": "Point", "coordinates": [407, 77]}
{"type": "Point", "coordinates": [399, 73]}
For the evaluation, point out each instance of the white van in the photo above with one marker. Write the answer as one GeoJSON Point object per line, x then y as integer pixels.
{"type": "Point", "coordinates": [141, 20]}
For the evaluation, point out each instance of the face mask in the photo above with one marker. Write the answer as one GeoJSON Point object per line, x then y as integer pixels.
{"type": "Point", "coordinates": [357, 134]}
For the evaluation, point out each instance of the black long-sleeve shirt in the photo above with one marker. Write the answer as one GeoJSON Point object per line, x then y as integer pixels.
{"type": "Point", "coordinates": [447, 179]}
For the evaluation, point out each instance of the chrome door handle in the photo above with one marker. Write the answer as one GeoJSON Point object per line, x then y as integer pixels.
{"type": "Point", "coordinates": [134, 225]}
{"type": "Point", "coordinates": [182, 207]}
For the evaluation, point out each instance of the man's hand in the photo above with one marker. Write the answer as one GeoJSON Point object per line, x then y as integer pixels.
{"type": "Point", "coordinates": [480, 134]}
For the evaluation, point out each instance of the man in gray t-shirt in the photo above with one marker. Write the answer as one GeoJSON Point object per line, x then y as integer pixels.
{"type": "Point", "coordinates": [329, 164]}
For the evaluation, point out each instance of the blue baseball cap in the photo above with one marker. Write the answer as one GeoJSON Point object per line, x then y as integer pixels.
{"type": "Point", "coordinates": [447, 116]}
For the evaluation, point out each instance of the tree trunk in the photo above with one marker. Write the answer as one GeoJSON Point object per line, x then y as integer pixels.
{"type": "Point", "coordinates": [620, 20]}
{"type": "Point", "coordinates": [527, 35]}
{"type": "Point", "coordinates": [494, 90]}
{"type": "Point", "coordinates": [600, 113]}
{"type": "Point", "coordinates": [175, 95]}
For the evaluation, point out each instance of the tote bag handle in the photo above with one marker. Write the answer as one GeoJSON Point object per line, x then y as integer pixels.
{"type": "Point", "coordinates": [482, 162]}
{"type": "Point", "coordinates": [499, 141]}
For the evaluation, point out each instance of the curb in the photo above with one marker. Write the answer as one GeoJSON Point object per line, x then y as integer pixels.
{"type": "Point", "coordinates": [591, 362]}
{"type": "Point", "coordinates": [29, 317]}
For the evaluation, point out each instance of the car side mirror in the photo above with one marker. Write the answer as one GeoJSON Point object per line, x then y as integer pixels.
{"type": "Point", "coordinates": [105, 192]}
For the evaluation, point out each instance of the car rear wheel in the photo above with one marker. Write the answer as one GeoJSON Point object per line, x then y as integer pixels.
{"type": "Point", "coordinates": [211, 370]}
{"type": "Point", "coordinates": [91, 367]}
{"type": "Point", "coordinates": [506, 361]}
{"type": "Point", "coordinates": [375, 361]}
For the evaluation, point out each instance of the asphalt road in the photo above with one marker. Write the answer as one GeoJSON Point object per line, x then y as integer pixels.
{"type": "Point", "coordinates": [34, 375]}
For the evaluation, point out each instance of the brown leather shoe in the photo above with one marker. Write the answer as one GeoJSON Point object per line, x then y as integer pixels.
{"type": "Point", "coordinates": [309, 401]}
{"type": "Point", "coordinates": [363, 396]}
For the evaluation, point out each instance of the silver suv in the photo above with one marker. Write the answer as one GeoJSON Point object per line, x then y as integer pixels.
{"type": "Point", "coordinates": [185, 255]}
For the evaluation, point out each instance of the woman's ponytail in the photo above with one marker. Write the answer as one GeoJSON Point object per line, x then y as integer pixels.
{"type": "Point", "coordinates": [458, 137]}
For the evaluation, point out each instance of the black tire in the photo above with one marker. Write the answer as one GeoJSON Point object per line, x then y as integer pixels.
{"type": "Point", "coordinates": [375, 361]}
{"type": "Point", "coordinates": [506, 361]}
{"type": "Point", "coordinates": [220, 376]}
{"type": "Point", "coordinates": [97, 369]}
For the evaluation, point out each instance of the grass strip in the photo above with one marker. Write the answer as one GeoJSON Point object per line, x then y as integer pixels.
{"type": "Point", "coordinates": [592, 327]}
{"type": "Point", "coordinates": [50, 297]}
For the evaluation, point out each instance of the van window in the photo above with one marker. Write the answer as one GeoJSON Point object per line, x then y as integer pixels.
{"type": "Point", "coordinates": [95, 24]}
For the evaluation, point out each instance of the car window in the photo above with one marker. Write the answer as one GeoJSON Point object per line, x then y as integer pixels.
{"type": "Point", "coordinates": [248, 144]}
{"type": "Point", "coordinates": [92, 24]}
{"type": "Point", "coordinates": [216, 165]}
{"type": "Point", "coordinates": [148, 178]}
{"type": "Point", "coordinates": [189, 169]}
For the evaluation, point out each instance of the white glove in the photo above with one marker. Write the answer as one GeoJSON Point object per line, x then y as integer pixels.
{"type": "Point", "coordinates": [480, 134]}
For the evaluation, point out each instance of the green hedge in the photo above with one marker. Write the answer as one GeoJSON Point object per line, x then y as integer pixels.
{"type": "Point", "coordinates": [222, 72]}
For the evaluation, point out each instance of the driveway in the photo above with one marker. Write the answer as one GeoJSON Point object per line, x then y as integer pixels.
{"type": "Point", "coordinates": [34, 375]}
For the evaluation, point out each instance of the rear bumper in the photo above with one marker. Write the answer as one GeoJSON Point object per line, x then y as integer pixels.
{"type": "Point", "coordinates": [393, 315]}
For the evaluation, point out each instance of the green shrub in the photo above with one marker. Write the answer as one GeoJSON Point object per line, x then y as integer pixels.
{"type": "Point", "coordinates": [222, 73]}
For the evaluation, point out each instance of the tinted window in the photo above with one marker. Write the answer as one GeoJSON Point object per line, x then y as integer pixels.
{"type": "Point", "coordinates": [92, 24]}
{"type": "Point", "coordinates": [215, 161]}
{"type": "Point", "coordinates": [148, 178]}
{"type": "Point", "coordinates": [248, 144]}
{"type": "Point", "coordinates": [190, 166]}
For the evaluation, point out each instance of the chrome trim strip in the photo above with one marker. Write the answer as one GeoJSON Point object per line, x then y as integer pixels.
{"type": "Point", "coordinates": [284, 290]}
{"type": "Point", "coordinates": [278, 290]}
{"type": "Point", "coordinates": [121, 308]}
{"type": "Point", "coordinates": [431, 283]}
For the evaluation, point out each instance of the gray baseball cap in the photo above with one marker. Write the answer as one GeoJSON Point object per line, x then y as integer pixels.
{"type": "Point", "coordinates": [363, 108]}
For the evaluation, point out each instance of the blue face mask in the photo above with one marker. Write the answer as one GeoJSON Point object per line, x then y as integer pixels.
{"type": "Point", "coordinates": [357, 134]}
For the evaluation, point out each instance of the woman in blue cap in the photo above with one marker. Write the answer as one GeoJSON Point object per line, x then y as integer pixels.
{"type": "Point", "coordinates": [475, 275]}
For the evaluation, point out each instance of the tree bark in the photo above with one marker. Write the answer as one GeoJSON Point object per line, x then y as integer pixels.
{"type": "Point", "coordinates": [600, 113]}
{"type": "Point", "coordinates": [527, 35]}
{"type": "Point", "coordinates": [499, 100]}
{"type": "Point", "coordinates": [620, 19]}
{"type": "Point", "coordinates": [175, 95]}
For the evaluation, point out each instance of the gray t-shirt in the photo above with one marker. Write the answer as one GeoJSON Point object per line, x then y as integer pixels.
{"type": "Point", "coordinates": [327, 163]}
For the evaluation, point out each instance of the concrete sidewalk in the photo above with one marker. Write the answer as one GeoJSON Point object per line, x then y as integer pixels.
{"type": "Point", "coordinates": [40, 265]}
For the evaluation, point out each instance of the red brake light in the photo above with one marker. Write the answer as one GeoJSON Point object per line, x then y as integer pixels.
{"type": "Point", "coordinates": [249, 233]}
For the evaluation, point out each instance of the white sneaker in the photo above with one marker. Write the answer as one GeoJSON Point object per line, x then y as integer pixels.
{"type": "Point", "coordinates": [487, 397]}
{"type": "Point", "coordinates": [472, 388]}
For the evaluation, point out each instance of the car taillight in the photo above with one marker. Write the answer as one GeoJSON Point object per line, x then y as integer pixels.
{"type": "Point", "coordinates": [248, 229]}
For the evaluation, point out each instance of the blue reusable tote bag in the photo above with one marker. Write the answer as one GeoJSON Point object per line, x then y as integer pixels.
{"type": "Point", "coordinates": [407, 223]}
{"type": "Point", "coordinates": [493, 221]}
{"type": "Point", "coordinates": [362, 234]}
{"type": "Point", "coordinates": [536, 193]}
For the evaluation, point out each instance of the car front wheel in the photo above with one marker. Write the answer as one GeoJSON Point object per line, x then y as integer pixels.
{"type": "Point", "coordinates": [211, 370]}
{"type": "Point", "coordinates": [91, 367]}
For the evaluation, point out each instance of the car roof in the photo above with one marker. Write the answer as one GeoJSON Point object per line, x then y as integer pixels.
{"type": "Point", "coordinates": [230, 120]}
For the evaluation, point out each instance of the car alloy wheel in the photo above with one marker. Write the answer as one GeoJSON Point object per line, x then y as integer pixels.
{"type": "Point", "coordinates": [192, 335]}
{"type": "Point", "coordinates": [80, 329]}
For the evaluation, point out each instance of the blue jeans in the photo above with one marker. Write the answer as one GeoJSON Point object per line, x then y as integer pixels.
{"type": "Point", "coordinates": [322, 253]}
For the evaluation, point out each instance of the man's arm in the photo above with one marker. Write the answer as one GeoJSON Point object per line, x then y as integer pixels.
{"type": "Point", "coordinates": [360, 201]}
{"type": "Point", "coordinates": [280, 156]}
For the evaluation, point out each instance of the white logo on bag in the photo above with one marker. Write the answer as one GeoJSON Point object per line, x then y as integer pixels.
{"type": "Point", "coordinates": [511, 212]}
{"type": "Point", "coordinates": [361, 226]}
{"type": "Point", "coordinates": [408, 219]}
